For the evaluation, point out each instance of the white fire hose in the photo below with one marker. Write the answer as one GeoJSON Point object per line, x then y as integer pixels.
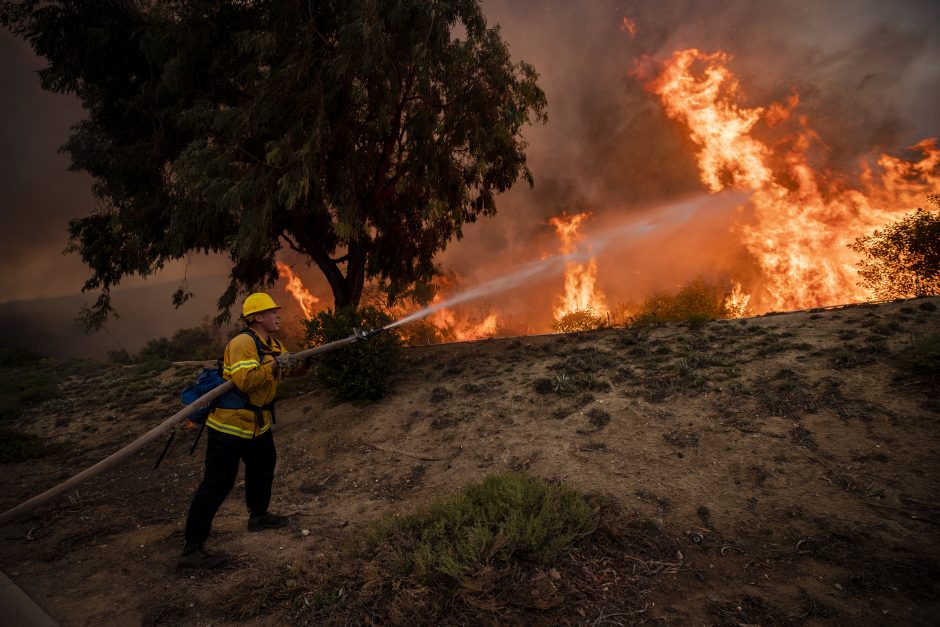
{"type": "Point", "coordinates": [117, 457]}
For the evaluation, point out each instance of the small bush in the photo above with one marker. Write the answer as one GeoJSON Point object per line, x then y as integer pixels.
{"type": "Point", "coordinates": [190, 344]}
{"type": "Point", "coordinates": [598, 417]}
{"type": "Point", "coordinates": [363, 370]}
{"type": "Point", "coordinates": [695, 302]}
{"type": "Point", "coordinates": [504, 517]}
{"type": "Point", "coordinates": [566, 384]}
{"type": "Point", "coordinates": [580, 320]}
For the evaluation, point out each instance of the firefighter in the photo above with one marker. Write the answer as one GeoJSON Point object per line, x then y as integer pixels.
{"type": "Point", "coordinates": [254, 361]}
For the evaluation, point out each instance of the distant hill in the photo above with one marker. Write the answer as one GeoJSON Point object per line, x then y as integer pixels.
{"type": "Point", "coordinates": [48, 325]}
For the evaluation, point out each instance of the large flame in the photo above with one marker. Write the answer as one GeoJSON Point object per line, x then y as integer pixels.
{"type": "Point", "coordinates": [581, 293]}
{"type": "Point", "coordinates": [803, 217]}
{"type": "Point", "coordinates": [458, 325]}
{"type": "Point", "coordinates": [296, 288]}
{"type": "Point", "coordinates": [463, 329]}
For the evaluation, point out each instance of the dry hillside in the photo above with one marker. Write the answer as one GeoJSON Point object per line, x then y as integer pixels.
{"type": "Point", "coordinates": [773, 470]}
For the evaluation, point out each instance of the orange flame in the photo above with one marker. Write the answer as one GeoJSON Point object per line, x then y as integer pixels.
{"type": "Point", "coordinates": [737, 303]}
{"type": "Point", "coordinates": [457, 325]}
{"type": "Point", "coordinates": [463, 330]}
{"type": "Point", "coordinates": [802, 218]}
{"type": "Point", "coordinates": [295, 288]}
{"type": "Point", "coordinates": [629, 26]}
{"type": "Point", "coordinates": [581, 293]}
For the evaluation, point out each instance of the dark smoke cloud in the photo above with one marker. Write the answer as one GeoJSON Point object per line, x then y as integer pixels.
{"type": "Point", "coordinates": [37, 193]}
{"type": "Point", "coordinates": [865, 70]}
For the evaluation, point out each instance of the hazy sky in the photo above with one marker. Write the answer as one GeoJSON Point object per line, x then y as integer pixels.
{"type": "Point", "coordinates": [867, 73]}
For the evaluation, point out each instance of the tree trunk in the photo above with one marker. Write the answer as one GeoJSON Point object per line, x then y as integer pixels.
{"type": "Point", "coordinates": [347, 289]}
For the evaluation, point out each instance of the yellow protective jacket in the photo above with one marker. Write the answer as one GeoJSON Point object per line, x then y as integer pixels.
{"type": "Point", "coordinates": [255, 376]}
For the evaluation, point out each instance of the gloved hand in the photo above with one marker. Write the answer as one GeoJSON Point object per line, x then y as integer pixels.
{"type": "Point", "coordinates": [286, 361]}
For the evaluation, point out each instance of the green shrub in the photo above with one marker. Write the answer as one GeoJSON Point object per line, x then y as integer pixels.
{"type": "Point", "coordinates": [697, 301]}
{"type": "Point", "coordinates": [580, 320]}
{"type": "Point", "coordinates": [504, 517]}
{"type": "Point", "coordinates": [190, 344]}
{"type": "Point", "coordinates": [363, 370]}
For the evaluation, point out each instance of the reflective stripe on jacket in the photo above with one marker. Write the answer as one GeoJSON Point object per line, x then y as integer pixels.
{"type": "Point", "coordinates": [253, 376]}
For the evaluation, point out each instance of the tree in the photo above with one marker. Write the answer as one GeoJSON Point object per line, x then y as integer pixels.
{"type": "Point", "coordinates": [903, 260]}
{"type": "Point", "coordinates": [361, 134]}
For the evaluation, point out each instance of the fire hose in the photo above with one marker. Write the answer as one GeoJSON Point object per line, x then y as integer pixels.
{"type": "Point", "coordinates": [117, 457]}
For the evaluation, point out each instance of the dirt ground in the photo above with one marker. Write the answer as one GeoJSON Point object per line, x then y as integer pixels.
{"type": "Point", "coordinates": [790, 461]}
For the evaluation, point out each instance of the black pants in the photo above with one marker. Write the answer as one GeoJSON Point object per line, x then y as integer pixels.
{"type": "Point", "coordinates": [223, 451]}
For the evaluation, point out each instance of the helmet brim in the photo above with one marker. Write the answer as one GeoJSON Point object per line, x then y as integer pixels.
{"type": "Point", "coordinates": [260, 311]}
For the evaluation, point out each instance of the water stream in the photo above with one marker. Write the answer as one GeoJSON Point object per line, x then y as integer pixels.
{"type": "Point", "coordinates": [592, 245]}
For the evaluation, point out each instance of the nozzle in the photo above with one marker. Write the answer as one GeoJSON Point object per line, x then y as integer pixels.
{"type": "Point", "coordinates": [365, 335]}
{"type": "Point", "coordinates": [359, 333]}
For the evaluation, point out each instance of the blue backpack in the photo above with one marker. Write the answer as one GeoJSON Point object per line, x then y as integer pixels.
{"type": "Point", "coordinates": [211, 378]}
{"type": "Point", "coordinates": [206, 381]}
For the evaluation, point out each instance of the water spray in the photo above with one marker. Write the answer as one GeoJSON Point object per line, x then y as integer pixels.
{"type": "Point", "coordinates": [674, 214]}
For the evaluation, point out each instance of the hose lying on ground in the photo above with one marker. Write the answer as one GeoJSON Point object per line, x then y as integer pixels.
{"type": "Point", "coordinates": [116, 458]}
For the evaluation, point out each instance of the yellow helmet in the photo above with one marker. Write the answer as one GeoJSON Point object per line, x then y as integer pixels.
{"type": "Point", "coordinates": [256, 303]}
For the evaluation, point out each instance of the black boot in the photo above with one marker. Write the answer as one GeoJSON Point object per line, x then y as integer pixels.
{"type": "Point", "coordinates": [267, 521]}
{"type": "Point", "coordinates": [196, 556]}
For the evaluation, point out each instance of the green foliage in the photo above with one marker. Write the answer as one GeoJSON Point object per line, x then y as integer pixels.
{"type": "Point", "coordinates": [695, 301]}
{"type": "Point", "coordinates": [580, 320]}
{"type": "Point", "coordinates": [903, 260]}
{"type": "Point", "coordinates": [363, 370]}
{"type": "Point", "coordinates": [15, 446]}
{"type": "Point", "coordinates": [190, 344]}
{"type": "Point", "coordinates": [504, 517]}
{"type": "Point", "coordinates": [362, 134]}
